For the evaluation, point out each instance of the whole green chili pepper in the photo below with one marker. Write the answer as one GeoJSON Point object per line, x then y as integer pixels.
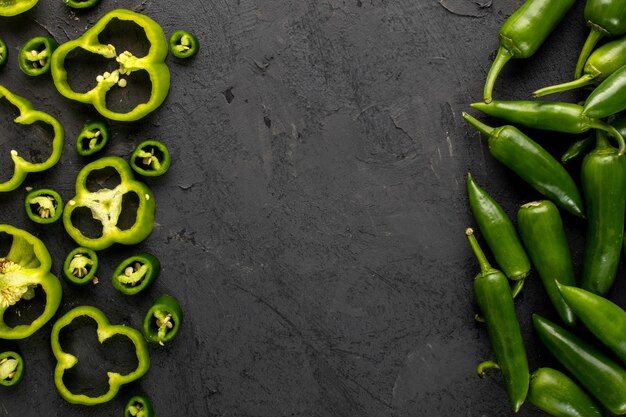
{"type": "Point", "coordinates": [4, 53]}
{"type": "Point", "coordinates": [533, 164]}
{"type": "Point", "coordinates": [578, 148]}
{"type": "Point", "coordinates": [11, 368]}
{"type": "Point", "coordinates": [34, 57]}
{"type": "Point", "coordinates": [555, 393]}
{"type": "Point", "coordinates": [603, 182]}
{"type": "Point", "coordinates": [553, 116]}
{"type": "Point", "coordinates": [498, 231]}
{"type": "Point", "coordinates": [524, 32]}
{"type": "Point", "coordinates": [603, 62]}
{"type": "Point", "coordinates": [600, 375]}
{"type": "Point", "coordinates": [494, 299]}
{"type": "Point", "coordinates": [541, 230]}
{"type": "Point", "coordinates": [604, 18]}
{"type": "Point", "coordinates": [184, 44]}
{"type": "Point", "coordinates": [607, 99]}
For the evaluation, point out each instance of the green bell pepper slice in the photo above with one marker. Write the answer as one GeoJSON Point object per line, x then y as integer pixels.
{"type": "Point", "coordinates": [105, 331]}
{"type": "Point", "coordinates": [80, 266]}
{"type": "Point", "coordinates": [150, 159]}
{"type": "Point", "coordinates": [28, 115]}
{"type": "Point", "coordinates": [82, 4]}
{"type": "Point", "coordinates": [93, 138]}
{"type": "Point", "coordinates": [15, 7]}
{"type": "Point", "coordinates": [25, 267]}
{"type": "Point", "coordinates": [106, 206]}
{"type": "Point", "coordinates": [139, 406]}
{"type": "Point", "coordinates": [43, 205]}
{"type": "Point", "coordinates": [34, 56]}
{"type": "Point", "coordinates": [136, 273]}
{"type": "Point", "coordinates": [4, 53]}
{"type": "Point", "coordinates": [153, 63]}
{"type": "Point", "coordinates": [184, 44]}
{"type": "Point", "coordinates": [163, 320]}
{"type": "Point", "coordinates": [11, 368]}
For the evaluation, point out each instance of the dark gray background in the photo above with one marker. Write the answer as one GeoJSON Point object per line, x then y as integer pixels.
{"type": "Point", "coordinates": [312, 222]}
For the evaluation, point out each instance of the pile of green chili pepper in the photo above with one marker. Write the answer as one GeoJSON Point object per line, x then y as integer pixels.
{"type": "Point", "coordinates": [592, 373]}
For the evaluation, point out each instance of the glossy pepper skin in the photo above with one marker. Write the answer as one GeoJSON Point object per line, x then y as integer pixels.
{"type": "Point", "coordinates": [28, 115]}
{"type": "Point", "coordinates": [106, 207]}
{"type": "Point", "coordinates": [43, 205]}
{"type": "Point", "coordinates": [4, 53]}
{"type": "Point", "coordinates": [26, 266]}
{"type": "Point", "coordinates": [533, 164]}
{"type": "Point", "coordinates": [605, 18]}
{"type": "Point", "coordinates": [153, 64]}
{"type": "Point", "coordinates": [524, 32]}
{"type": "Point", "coordinates": [184, 44]}
{"type": "Point", "coordinates": [607, 98]}
{"type": "Point", "coordinates": [93, 137]}
{"type": "Point", "coordinates": [541, 229]}
{"type": "Point", "coordinates": [558, 395]}
{"type": "Point", "coordinates": [139, 406]}
{"type": "Point", "coordinates": [82, 4]}
{"type": "Point", "coordinates": [11, 368]}
{"type": "Point", "coordinates": [105, 331]}
{"type": "Point", "coordinates": [552, 116]}
{"type": "Point", "coordinates": [495, 301]}
{"type": "Point", "coordinates": [150, 158]}
{"type": "Point", "coordinates": [600, 375]}
{"type": "Point", "coordinates": [579, 148]}
{"type": "Point", "coordinates": [34, 56]}
{"type": "Point", "coordinates": [498, 231]}
{"type": "Point", "coordinates": [13, 8]}
{"type": "Point", "coordinates": [80, 266]}
{"type": "Point", "coordinates": [603, 182]}
{"type": "Point", "coordinates": [163, 320]}
{"type": "Point", "coordinates": [136, 273]}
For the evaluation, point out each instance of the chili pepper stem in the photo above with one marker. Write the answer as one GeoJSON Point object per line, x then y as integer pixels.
{"type": "Point", "coordinates": [594, 37]}
{"type": "Point", "coordinates": [480, 126]}
{"type": "Point", "coordinates": [485, 266]}
{"type": "Point", "coordinates": [614, 132]}
{"type": "Point", "coordinates": [503, 56]}
{"type": "Point", "coordinates": [583, 81]}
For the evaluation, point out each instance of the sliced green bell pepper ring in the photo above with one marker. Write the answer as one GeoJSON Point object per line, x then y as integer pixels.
{"type": "Point", "coordinates": [4, 53]}
{"type": "Point", "coordinates": [34, 57]}
{"type": "Point", "coordinates": [151, 158]}
{"type": "Point", "coordinates": [80, 266]}
{"type": "Point", "coordinates": [136, 273]}
{"type": "Point", "coordinates": [184, 44]}
{"type": "Point", "coordinates": [153, 63]}
{"type": "Point", "coordinates": [105, 331]}
{"type": "Point", "coordinates": [163, 320]}
{"type": "Point", "coordinates": [43, 205]}
{"type": "Point", "coordinates": [15, 7]}
{"type": "Point", "coordinates": [11, 368]}
{"type": "Point", "coordinates": [139, 406]}
{"type": "Point", "coordinates": [25, 267]}
{"type": "Point", "coordinates": [28, 115]}
{"type": "Point", "coordinates": [93, 138]}
{"type": "Point", "coordinates": [82, 4]}
{"type": "Point", "coordinates": [106, 207]}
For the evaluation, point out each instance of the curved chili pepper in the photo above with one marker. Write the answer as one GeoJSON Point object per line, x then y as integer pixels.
{"type": "Point", "coordinates": [105, 331]}
{"type": "Point", "coordinates": [80, 266]}
{"type": "Point", "coordinates": [13, 8]}
{"type": "Point", "coordinates": [600, 375]}
{"type": "Point", "coordinates": [150, 158]}
{"type": "Point", "coordinates": [524, 32]}
{"type": "Point", "coordinates": [603, 182]}
{"type": "Point", "coordinates": [555, 393]}
{"type": "Point", "coordinates": [533, 164]}
{"type": "Point", "coordinates": [184, 44]}
{"type": "Point", "coordinates": [34, 57]}
{"type": "Point", "coordinates": [495, 301]}
{"type": "Point", "coordinates": [607, 98]}
{"type": "Point", "coordinates": [603, 62]}
{"type": "Point", "coordinates": [139, 406]}
{"type": "Point", "coordinates": [82, 4]}
{"type": "Point", "coordinates": [4, 53]}
{"type": "Point", "coordinates": [11, 368]}
{"type": "Point", "coordinates": [498, 231]}
{"type": "Point", "coordinates": [93, 138]}
{"type": "Point", "coordinates": [163, 320]}
{"type": "Point", "coordinates": [43, 205]}
{"type": "Point", "coordinates": [136, 273]}
{"type": "Point", "coordinates": [541, 229]}
{"type": "Point", "coordinates": [578, 148]}
{"type": "Point", "coordinates": [604, 18]}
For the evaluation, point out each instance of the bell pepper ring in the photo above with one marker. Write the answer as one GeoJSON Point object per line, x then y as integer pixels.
{"type": "Point", "coordinates": [150, 159]}
{"type": "Point", "coordinates": [11, 368]}
{"type": "Point", "coordinates": [34, 56]}
{"type": "Point", "coordinates": [4, 53]}
{"type": "Point", "coordinates": [28, 115]}
{"type": "Point", "coordinates": [80, 266]}
{"type": "Point", "coordinates": [136, 273]}
{"type": "Point", "coordinates": [82, 4]}
{"type": "Point", "coordinates": [184, 44]}
{"type": "Point", "coordinates": [15, 7]}
{"type": "Point", "coordinates": [105, 331]}
{"type": "Point", "coordinates": [25, 267]}
{"type": "Point", "coordinates": [43, 205]}
{"type": "Point", "coordinates": [139, 406]}
{"type": "Point", "coordinates": [106, 206]}
{"type": "Point", "coordinates": [163, 320]}
{"type": "Point", "coordinates": [93, 138]}
{"type": "Point", "coordinates": [153, 63]}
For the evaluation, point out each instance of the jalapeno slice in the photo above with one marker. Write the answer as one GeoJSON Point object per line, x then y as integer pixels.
{"type": "Point", "coordinates": [43, 205]}
{"type": "Point", "coordinates": [93, 138]}
{"type": "Point", "coordinates": [184, 44]}
{"type": "Point", "coordinates": [11, 368]}
{"type": "Point", "coordinates": [163, 320]}
{"type": "Point", "coordinates": [80, 266]}
{"type": "Point", "coordinates": [150, 159]}
{"type": "Point", "coordinates": [34, 57]}
{"type": "Point", "coordinates": [136, 273]}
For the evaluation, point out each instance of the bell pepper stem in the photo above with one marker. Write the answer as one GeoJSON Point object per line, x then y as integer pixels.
{"type": "Point", "coordinates": [583, 81]}
{"type": "Point", "coordinates": [503, 56]}
{"type": "Point", "coordinates": [480, 126]}
{"type": "Point", "coordinates": [483, 366]}
{"type": "Point", "coordinates": [594, 37]}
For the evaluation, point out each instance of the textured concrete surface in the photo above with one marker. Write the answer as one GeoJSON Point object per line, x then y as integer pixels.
{"type": "Point", "coordinates": [312, 222]}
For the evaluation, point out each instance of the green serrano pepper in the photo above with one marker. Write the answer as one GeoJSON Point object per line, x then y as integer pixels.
{"type": "Point", "coordinates": [524, 32]}
{"type": "Point", "coordinates": [533, 164]}
{"type": "Point", "coordinates": [603, 182]}
{"type": "Point", "coordinates": [495, 301]}
{"type": "Point", "coordinates": [603, 378]}
{"type": "Point", "coordinates": [541, 230]}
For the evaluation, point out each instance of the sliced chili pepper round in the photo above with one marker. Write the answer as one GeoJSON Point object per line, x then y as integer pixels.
{"type": "Point", "coordinates": [43, 205]}
{"type": "Point", "coordinates": [93, 138]}
{"type": "Point", "coordinates": [139, 406]}
{"type": "Point", "coordinates": [80, 266]}
{"type": "Point", "coordinates": [163, 320]}
{"type": "Point", "coordinates": [82, 4]}
{"type": "Point", "coordinates": [34, 57]}
{"type": "Point", "coordinates": [136, 273]}
{"type": "Point", "coordinates": [11, 368]}
{"type": "Point", "coordinates": [184, 44]}
{"type": "Point", "coordinates": [150, 159]}
{"type": "Point", "coordinates": [4, 53]}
